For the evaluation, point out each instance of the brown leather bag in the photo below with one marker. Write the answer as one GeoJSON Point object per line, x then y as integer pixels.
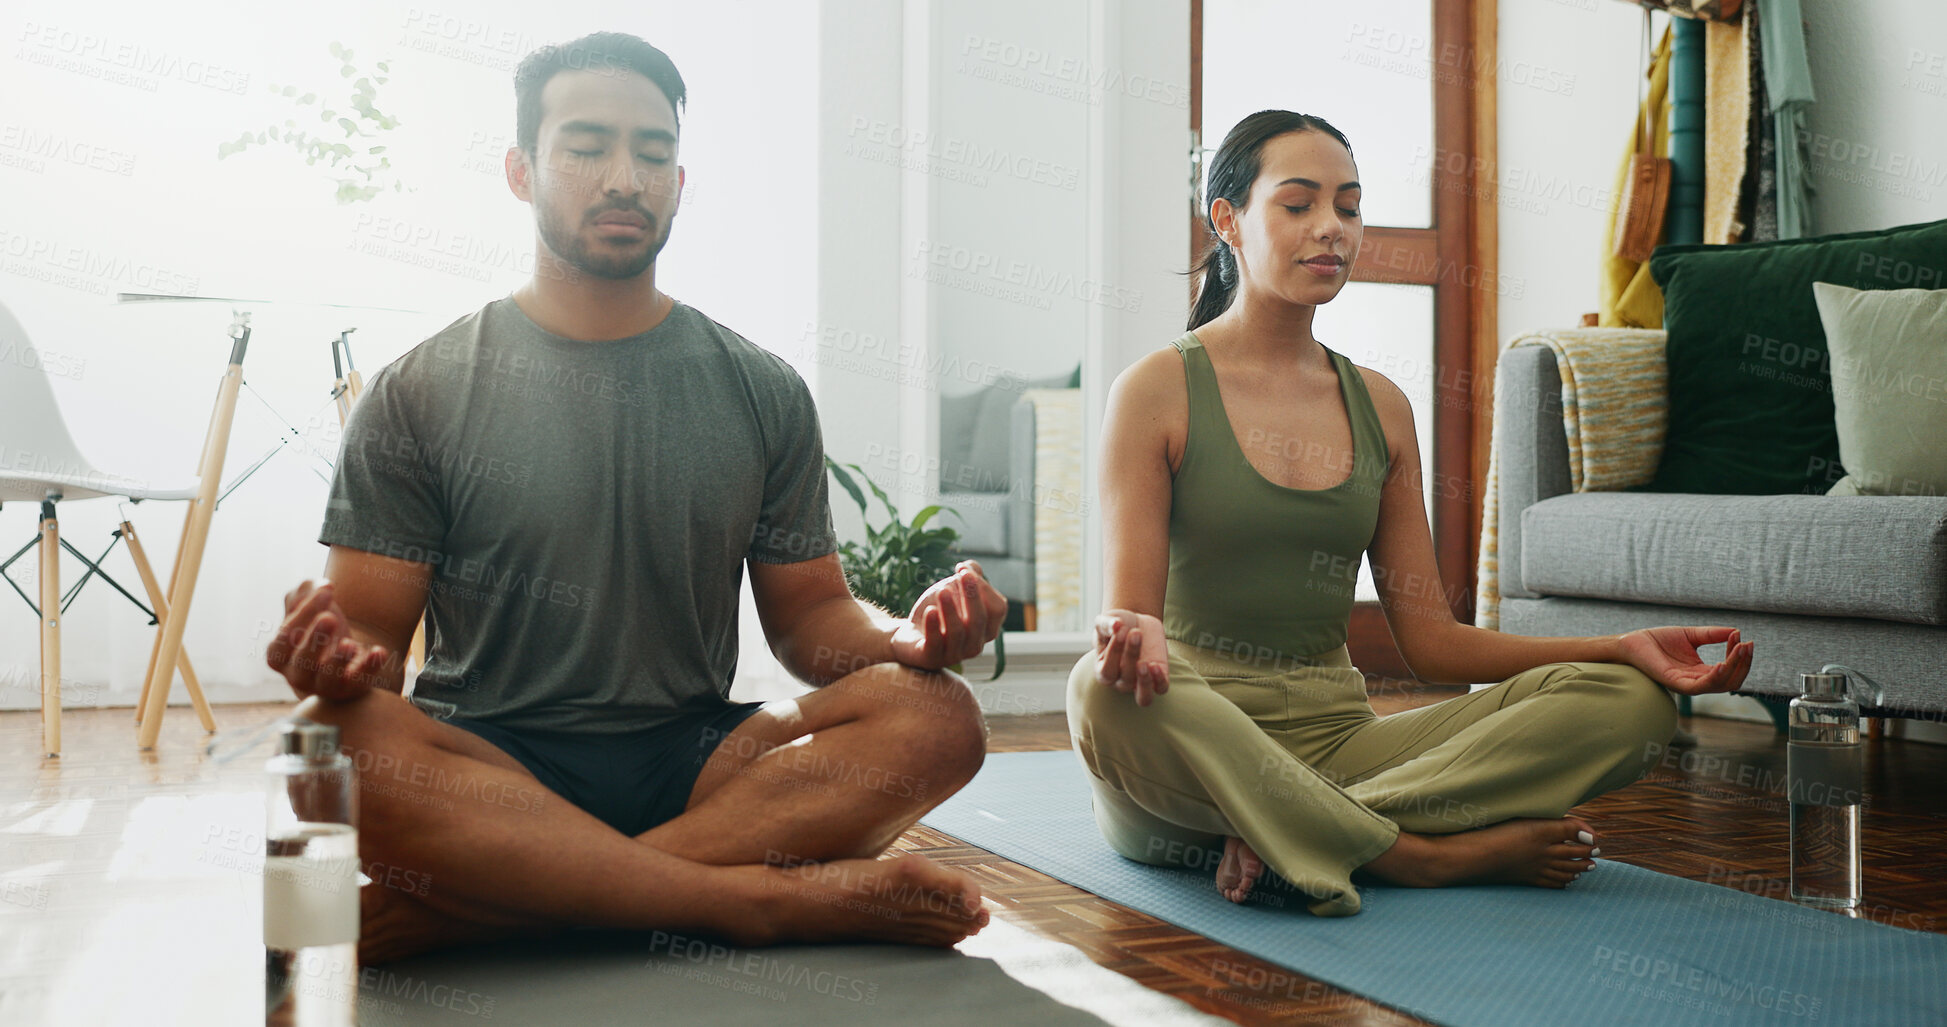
{"type": "Point", "coordinates": [1646, 189]}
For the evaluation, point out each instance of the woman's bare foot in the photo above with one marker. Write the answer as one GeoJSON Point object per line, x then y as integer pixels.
{"type": "Point", "coordinates": [908, 898]}
{"type": "Point", "coordinates": [1238, 873]}
{"type": "Point", "coordinates": [1544, 853]}
{"type": "Point", "coordinates": [393, 925]}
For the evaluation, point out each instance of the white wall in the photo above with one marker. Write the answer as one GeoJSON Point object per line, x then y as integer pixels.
{"type": "Point", "coordinates": [940, 263]}
{"type": "Point", "coordinates": [784, 236]}
{"type": "Point", "coordinates": [1559, 149]}
{"type": "Point", "coordinates": [1879, 155]}
{"type": "Point", "coordinates": [110, 117]}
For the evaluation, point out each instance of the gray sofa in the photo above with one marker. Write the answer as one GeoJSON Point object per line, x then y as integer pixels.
{"type": "Point", "coordinates": [987, 446]}
{"type": "Point", "coordinates": [1811, 579]}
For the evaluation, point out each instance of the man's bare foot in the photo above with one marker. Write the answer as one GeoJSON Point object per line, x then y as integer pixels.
{"type": "Point", "coordinates": [1238, 873]}
{"type": "Point", "coordinates": [1544, 853]}
{"type": "Point", "coordinates": [906, 899]}
{"type": "Point", "coordinates": [393, 925]}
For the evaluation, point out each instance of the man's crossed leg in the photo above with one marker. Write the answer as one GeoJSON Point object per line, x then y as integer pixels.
{"type": "Point", "coordinates": [777, 841]}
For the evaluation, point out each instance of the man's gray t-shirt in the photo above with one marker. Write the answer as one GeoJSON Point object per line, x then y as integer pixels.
{"type": "Point", "coordinates": [586, 507]}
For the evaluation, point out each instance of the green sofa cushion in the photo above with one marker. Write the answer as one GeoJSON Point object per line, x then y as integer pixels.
{"type": "Point", "coordinates": [1750, 388]}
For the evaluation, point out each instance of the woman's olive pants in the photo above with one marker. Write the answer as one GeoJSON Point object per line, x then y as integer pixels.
{"type": "Point", "coordinates": [1294, 761]}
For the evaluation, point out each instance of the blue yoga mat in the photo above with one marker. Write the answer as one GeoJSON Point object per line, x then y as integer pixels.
{"type": "Point", "coordinates": [1622, 945]}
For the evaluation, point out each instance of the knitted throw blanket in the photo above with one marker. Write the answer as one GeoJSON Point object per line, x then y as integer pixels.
{"type": "Point", "coordinates": [1615, 405]}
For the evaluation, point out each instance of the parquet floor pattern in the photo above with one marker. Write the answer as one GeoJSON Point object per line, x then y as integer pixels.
{"type": "Point", "coordinates": [1714, 813]}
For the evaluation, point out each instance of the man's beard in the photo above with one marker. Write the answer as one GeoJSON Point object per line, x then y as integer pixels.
{"type": "Point", "coordinates": [568, 244]}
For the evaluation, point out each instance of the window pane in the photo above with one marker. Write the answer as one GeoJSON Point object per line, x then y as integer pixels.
{"type": "Point", "coordinates": [1388, 328]}
{"type": "Point", "coordinates": [1365, 67]}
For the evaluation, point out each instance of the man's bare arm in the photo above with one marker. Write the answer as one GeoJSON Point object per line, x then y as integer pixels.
{"type": "Point", "coordinates": [350, 632]}
{"type": "Point", "coordinates": [817, 630]}
{"type": "Point", "coordinates": [821, 633]}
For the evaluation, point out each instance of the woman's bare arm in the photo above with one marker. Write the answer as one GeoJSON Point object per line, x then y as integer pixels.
{"type": "Point", "coordinates": [1438, 648]}
{"type": "Point", "coordinates": [1141, 433]}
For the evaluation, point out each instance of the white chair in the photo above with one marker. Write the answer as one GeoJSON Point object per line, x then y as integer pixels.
{"type": "Point", "coordinates": [39, 462]}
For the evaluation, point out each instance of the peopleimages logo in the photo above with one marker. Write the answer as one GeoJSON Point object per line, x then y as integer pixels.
{"type": "Point", "coordinates": [1413, 55]}
{"type": "Point", "coordinates": [1069, 78]}
{"type": "Point", "coordinates": [63, 149]}
{"type": "Point", "coordinates": [932, 146]}
{"type": "Point", "coordinates": [105, 57]}
{"type": "Point", "coordinates": [86, 268]}
{"type": "Point", "coordinates": [1013, 279]}
{"type": "Point", "coordinates": [1693, 986]}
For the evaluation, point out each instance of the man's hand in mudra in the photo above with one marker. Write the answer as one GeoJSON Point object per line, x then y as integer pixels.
{"type": "Point", "coordinates": [1669, 655]}
{"type": "Point", "coordinates": [953, 621]}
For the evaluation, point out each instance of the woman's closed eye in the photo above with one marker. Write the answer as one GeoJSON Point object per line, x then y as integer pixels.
{"type": "Point", "coordinates": [1301, 208]}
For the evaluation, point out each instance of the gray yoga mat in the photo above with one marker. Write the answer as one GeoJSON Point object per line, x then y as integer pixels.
{"type": "Point", "coordinates": [1622, 945]}
{"type": "Point", "coordinates": [1004, 975]}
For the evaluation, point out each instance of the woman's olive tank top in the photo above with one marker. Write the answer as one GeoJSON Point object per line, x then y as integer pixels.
{"type": "Point", "coordinates": [1258, 570]}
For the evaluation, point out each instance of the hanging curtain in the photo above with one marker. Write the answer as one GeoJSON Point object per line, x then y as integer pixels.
{"type": "Point", "coordinates": [1788, 90]}
{"type": "Point", "coordinates": [1758, 206]}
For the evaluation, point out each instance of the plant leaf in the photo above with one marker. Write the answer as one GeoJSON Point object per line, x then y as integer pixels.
{"type": "Point", "coordinates": [920, 518]}
{"type": "Point", "coordinates": [845, 482]}
{"type": "Point", "coordinates": [891, 510]}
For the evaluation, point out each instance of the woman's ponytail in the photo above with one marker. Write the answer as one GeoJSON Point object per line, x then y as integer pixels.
{"type": "Point", "coordinates": [1216, 283]}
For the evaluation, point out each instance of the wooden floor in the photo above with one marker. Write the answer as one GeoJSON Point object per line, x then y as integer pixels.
{"type": "Point", "coordinates": [1714, 813]}
{"type": "Point", "coordinates": [76, 833]}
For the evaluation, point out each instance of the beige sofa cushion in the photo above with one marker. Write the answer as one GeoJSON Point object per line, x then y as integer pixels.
{"type": "Point", "coordinates": [1889, 388]}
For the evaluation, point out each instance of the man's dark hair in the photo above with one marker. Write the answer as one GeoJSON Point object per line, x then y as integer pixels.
{"type": "Point", "coordinates": [606, 52]}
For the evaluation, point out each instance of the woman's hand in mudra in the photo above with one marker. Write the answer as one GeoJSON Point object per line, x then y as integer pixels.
{"type": "Point", "coordinates": [1131, 654]}
{"type": "Point", "coordinates": [1669, 655]}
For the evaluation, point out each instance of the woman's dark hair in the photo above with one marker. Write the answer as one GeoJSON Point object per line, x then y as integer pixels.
{"type": "Point", "coordinates": [1232, 171]}
{"type": "Point", "coordinates": [602, 52]}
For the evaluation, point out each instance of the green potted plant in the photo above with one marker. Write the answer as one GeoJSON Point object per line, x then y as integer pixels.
{"type": "Point", "coordinates": [898, 561]}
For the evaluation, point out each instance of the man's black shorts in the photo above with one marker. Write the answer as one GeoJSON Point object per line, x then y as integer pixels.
{"type": "Point", "coordinates": [630, 781]}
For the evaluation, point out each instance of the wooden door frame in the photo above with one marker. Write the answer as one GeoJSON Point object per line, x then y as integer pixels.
{"type": "Point", "coordinates": [1459, 258]}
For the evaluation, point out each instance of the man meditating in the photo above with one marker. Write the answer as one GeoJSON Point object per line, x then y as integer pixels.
{"type": "Point", "coordinates": [569, 482]}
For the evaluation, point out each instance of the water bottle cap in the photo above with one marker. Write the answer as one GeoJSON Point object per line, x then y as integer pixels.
{"type": "Point", "coordinates": [1822, 684]}
{"type": "Point", "coordinates": [308, 739]}
{"type": "Point", "coordinates": [1874, 694]}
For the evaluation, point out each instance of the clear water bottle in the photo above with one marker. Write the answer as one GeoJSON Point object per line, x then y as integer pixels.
{"type": "Point", "coordinates": [1825, 775]}
{"type": "Point", "coordinates": [310, 881]}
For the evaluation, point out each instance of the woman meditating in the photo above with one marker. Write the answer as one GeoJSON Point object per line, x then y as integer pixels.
{"type": "Point", "coordinates": [1245, 470]}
